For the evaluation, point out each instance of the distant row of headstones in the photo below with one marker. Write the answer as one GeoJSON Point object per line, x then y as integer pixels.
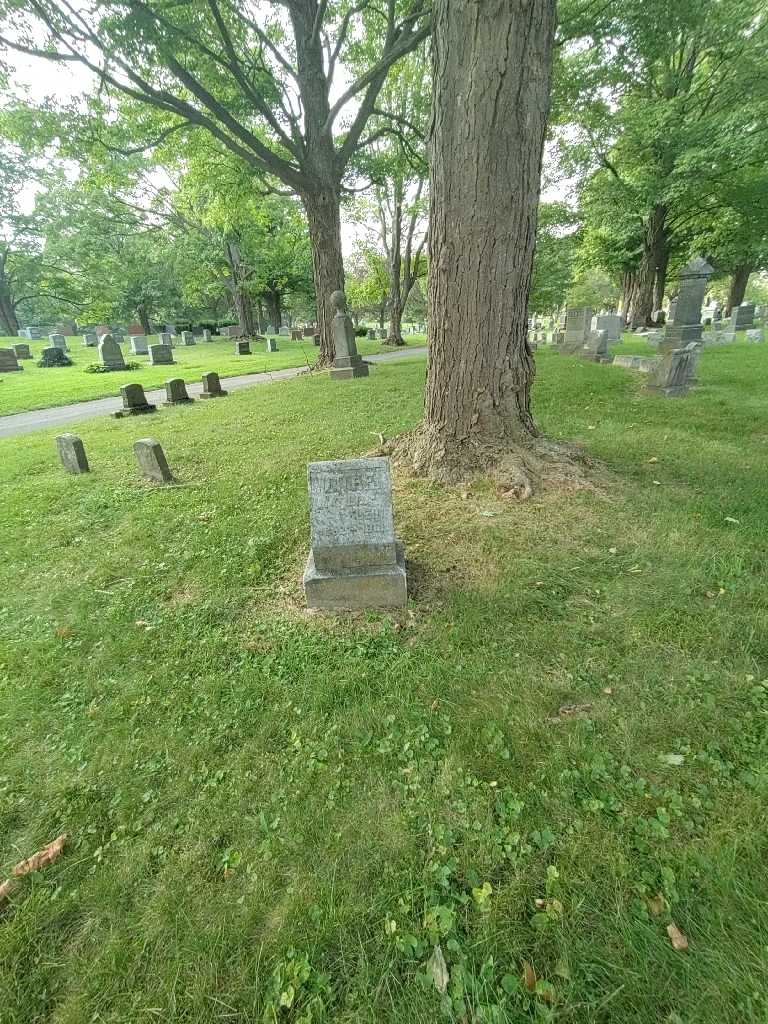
{"type": "Point", "coordinates": [680, 343]}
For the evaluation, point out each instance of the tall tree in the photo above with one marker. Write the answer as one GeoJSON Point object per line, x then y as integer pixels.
{"type": "Point", "coordinates": [489, 118]}
{"type": "Point", "coordinates": [259, 77]}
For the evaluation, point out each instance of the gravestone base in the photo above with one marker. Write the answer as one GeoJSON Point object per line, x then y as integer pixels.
{"type": "Point", "coordinates": [382, 586]}
{"type": "Point", "coordinates": [347, 368]}
{"type": "Point", "coordinates": [136, 410]}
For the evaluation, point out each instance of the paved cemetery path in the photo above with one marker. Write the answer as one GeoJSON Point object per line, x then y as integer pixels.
{"type": "Point", "coordinates": [61, 415]}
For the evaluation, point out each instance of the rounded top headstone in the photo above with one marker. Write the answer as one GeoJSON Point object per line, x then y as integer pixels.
{"type": "Point", "coordinates": [339, 302]}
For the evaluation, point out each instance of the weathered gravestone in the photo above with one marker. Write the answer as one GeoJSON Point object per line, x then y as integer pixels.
{"type": "Point", "coordinates": [578, 323]}
{"type": "Point", "coordinates": [316, 340]}
{"type": "Point", "coordinates": [284, 332]}
{"type": "Point", "coordinates": [756, 335]}
{"type": "Point", "coordinates": [58, 341]}
{"type": "Point", "coordinates": [160, 355]}
{"type": "Point", "coordinates": [207, 336]}
{"type": "Point", "coordinates": [309, 331]}
{"type": "Point", "coordinates": [164, 338]}
{"type": "Point", "coordinates": [373, 334]}
{"type": "Point", "coordinates": [188, 338]}
{"type": "Point", "coordinates": [270, 344]}
{"type": "Point", "coordinates": [355, 561]}
{"type": "Point", "coordinates": [176, 392]}
{"type": "Point", "coordinates": [212, 386]}
{"type": "Point", "coordinates": [686, 326]}
{"type": "Point", "coordinates": [242, 348]}
{"type": "Point", "coordinates": [743, 317]}
{"type": "Point", "coordinates": [72, 453]}
{"type": "Point", "coordinates": [152, 461]}
{"type": "Point", "coordinates": [134, 402]}
{"type": "Point", "coordinates": [90, 340]}
{"type": "Point", "coordinates": [22, 351]}
{"type": "Point", "coordinates": [110, 353]}
{"type": "Point", "coordinates": [643, 363]}
{"type": "Point", "coordinates": [139, 345]}
{"type": "Point", "coordinates": [611, 323]}
{"type": "Point", "coordinates": [8, 361]}
{"type": "Point", "coordinates": [53, 356]}
{"type": "Point", "coordinates": [675, 373]}
{"type": "Point", "coordinates": [296, 334]}
{"type": "Point", "coordinates": [596, 348]}
{"type": "Point", "coordinates": [347, 363]}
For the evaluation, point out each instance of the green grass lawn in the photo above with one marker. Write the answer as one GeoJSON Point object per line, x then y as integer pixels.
{"type": "Point", "coordinates": [559, 750]}
{"type": "Point", "coordinates": [37, 388]}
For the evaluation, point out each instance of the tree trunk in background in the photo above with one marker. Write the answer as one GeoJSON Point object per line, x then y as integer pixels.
{"type": "Point", "coordinates": [738, 288]}
{"type": "Point", "coordinates": [489, 117]}
{"type": "Point", "coordinates": [654, 248]}
{"type": "Point", "coordinates": [628, 288]}
{"type": "Point", "coordinates": [382, 312]}
{"type": "Point", "coordinates": [660, 286]}
{"type": "Point", "coordinates": [244, 309]}
{"type": "Point", "coordinates": [324, 220]}
{"type": "Point", "coordinates": [274, 302]}
{"type": "Point", "coordinates": [9, 324]}
{"type": "Point", "coordinates": [395, 336]}
{"type": "Point", "coordinates": [143, 315]}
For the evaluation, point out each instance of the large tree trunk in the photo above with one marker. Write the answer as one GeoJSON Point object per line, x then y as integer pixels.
{"type": "Point", "coordinates": [9, 324]}
{"type": "Point", "coordinates": [274, 303]}
{"type": "Point", "coordinates": [738, 288]}
{"type": "Point", "coordinates": [662, 265]}
{"type": "Point", "coordinates": [324, 220]}
{"type": "Point", "coordinates": [489, 117]}
{"type": "Point", "coordinates": [395, 336]}
{"type": "Point", "coordinates": [654, 246]}
{"type": "Point", "coordinates": [628, 289]}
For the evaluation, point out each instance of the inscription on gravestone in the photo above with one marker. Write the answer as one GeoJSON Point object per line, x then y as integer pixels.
{"type": "Point", "coordinates": [355, 560]}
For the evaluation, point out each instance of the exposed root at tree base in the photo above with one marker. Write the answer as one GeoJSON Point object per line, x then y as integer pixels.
{"type": "Point", "coordinates": [518, 468]}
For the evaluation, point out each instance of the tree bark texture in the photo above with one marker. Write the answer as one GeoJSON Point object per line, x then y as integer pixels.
{"type": "Point", "coordinates": [9, 324]}
{"type": "Point", "coordinates": [143, 315]}
{"type": "Point", "coordinates": [738, 287]}
{"type": "Point", "coordinates": [324, 220]}
{"type": "Point", "coordinates": [274, 303]}
{"type": "Point", "coordinates": [492, 70]}
{"type": "Point", "coordinates": [654, 250]}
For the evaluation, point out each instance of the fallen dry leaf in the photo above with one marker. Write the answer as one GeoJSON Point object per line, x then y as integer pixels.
{"type": "Point", "coordinates": [41, 859]}
{"type": "Point", "coordinates": [529, 976]}
{"type": "Point", "coordinates": [62, 632]}
{"type": "Point", "coordinates": [7, 888]}
{"type": "Point", "coordinates": [657, 905]}
{"type": "Point", "coordinates": [434, 705]}
{"type": "Point", "coordinates": [608, 690]}
{"type": "Point", "coordinates": [574, 709]}
{"type": "Point", "coordinates": [651, 461]}
{"type": "Point", "coordinates": [677, 938]}
{"type": "Point", "coordinates": [437, 969]}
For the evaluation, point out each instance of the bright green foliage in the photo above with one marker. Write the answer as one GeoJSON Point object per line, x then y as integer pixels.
{"type": "Point", "coordinates": [274, 816]}
{"type": "Point", "coordinates": [553, 262]}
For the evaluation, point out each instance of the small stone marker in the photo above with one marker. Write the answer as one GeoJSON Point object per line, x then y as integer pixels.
{"type": "Point", "coordinates": [58, 341]}
{"type": "Point", "coordinates": [187, 338]}
{"type": "Point", "coordinates": [176, 392]}
{"type": "Point", "coordinates": [139, 345]}
{"type": "Point", "coordinates": [152, 461]}
{"type": "Point", "coordinates": [284, 332]}
{"type": "Point", "coordinates": [134, 402]}
{"type": "Point", "coordinates": [242, 348]}
{"type": "Point", "coordinates": [165, 339]}
{"type": "Point", "coordinates": [271, 345]}
{"type": "Point", "coordinates": [110, 353]}
{"type": "Point", "coordinates": [645, 364]}
{"type": "Point", "coordinates": [9, 362]}
{"type": "Point", "coordinates": [90, 340]}
{"type": "Point", "coordinates": [743, 317]}
{"type": "Point", "coordinates": [22, 351]}
{"type": "Point", "coordinates": [212, 386]}
{"type": "Point", "coordinates": [347, 363]}
{"type": "Point", "coordinates": [207, 335]}
{"type": "Point", "coordinates": [160, 355]}
{"type": "Point", "coordinates": [316, 340]}
{"type": "Point", "coordinates": [612, 323]}
{"type": "Point", "coordinates": [72, 453]}
{"type": "Point", "coordinates": [756, 336]}
{"type": "Point", "coordinates": [355, 561]}
{"type": "Point", "coordinates": [596, 348]}
{"type": "Point", "coordinates": [309, 331]}
{"type": "Point", "coordinates": [685, 324]}
{"type": "Point", "coordinates": [675, 373]}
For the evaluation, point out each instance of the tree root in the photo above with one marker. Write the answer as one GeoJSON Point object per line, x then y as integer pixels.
{"type": "Point", "coordinates": [519, 468]}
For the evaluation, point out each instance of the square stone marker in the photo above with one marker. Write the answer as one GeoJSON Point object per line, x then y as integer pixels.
{"type": "Point", "coordinates": [152, 461]}
{"type": "Point", "coordinates": [242, 348]}
{"type": "Point", "coordinates": [212, 386]}
{"type": "Point", "coordinates": [176, 392]}
{"type": "Point", "coordinates": [58, 341]}
{"type": "Point", "coordinates": [271, 345]}
{"type": "Point", "coordinates": [72, 453]}
{"type": "Point", "coordinates": [139, 345]}
{"type": "Point", "coordinates": [161, 355]}
{"type": "Point", "coordinates": [90, 340]}
{"type": "Point", "coordinates": [22, 351]}
{"type": "Point", "coordinates": [9, 362]}
{"type": "Point", "coordinates": [355, 560]}
{"type": "Point", "coordinates": [134, 402]}
{"type": "Point", "coordinates": [207, 335]}
{"type": "Point", "coordinates": [188, 338]}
